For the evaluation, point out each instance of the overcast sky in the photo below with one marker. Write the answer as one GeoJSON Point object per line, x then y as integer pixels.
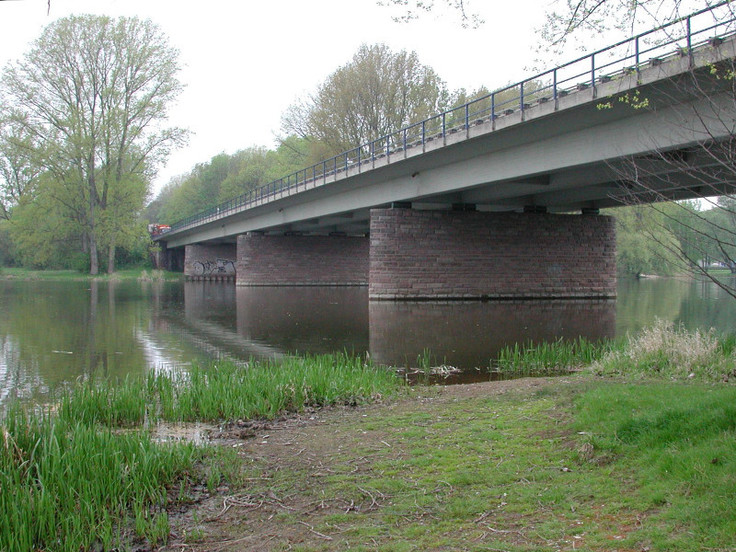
{"type": "Point", "coordinates": [245, 61]}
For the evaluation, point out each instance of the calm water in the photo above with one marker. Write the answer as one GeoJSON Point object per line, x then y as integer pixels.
{"type": "Point", "coordinates": [55, 332]}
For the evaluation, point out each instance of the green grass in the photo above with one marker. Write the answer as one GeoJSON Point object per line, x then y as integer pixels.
{"type": "Point", "coordinates": [72, 486]}
{"type": "Point", "coordinates": [546, 359]}
{"type": "Point", "coordinates": [679, 444]}
{"type": "Point", "coordinates": [672, 352]}
{"type": "Point", "coordinates": [11, 273]}
{"type": "Point", "coordinates": [662, 350]}
{"type": "Point", "coordinates": [225, 391]}
{"type": "Point", "coordinates": [72, 480]}
{"type": "Point", "coordinates": [580, 465]}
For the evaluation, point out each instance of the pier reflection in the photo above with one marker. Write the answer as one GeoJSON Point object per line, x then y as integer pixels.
{"type": "Point", "coordinates": [468, 335]}
{"type": "Point", "coordinates": [305, 319]}
{"type": "Point", "coordinates": [270, 321]}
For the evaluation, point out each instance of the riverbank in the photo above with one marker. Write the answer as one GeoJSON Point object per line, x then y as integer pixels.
{"type": "Point", "coordinates": [88, 473]}
{"type": "Point", "coordinates": [634, 452]}
{"type": "Point", "coordinates": [143, 274]}
{"type": "Point", "coordinates": [569, 463]}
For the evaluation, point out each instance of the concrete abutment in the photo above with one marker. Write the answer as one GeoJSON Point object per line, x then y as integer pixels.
{"type": "Point", "coordinates": [210, 262]}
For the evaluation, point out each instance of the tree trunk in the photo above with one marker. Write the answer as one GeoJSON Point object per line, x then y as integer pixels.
{"type": "Point", "coordinates": [94, 263]}
{"type": "Point", "coordinates": [111, 258]}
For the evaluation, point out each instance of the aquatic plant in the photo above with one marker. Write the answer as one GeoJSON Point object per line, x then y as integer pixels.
{"type": "Point", "coordinates": [71, 486]}
{"type": "Point", "coordinates": [549, 358]}
{"type": "Point", "coordinates": [228, 391]}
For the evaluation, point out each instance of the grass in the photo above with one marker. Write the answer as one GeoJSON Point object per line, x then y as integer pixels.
{"type": "Point", "coordinates": [572, 464]}
{"type": "Point", "coordinates": [72, 486]}
{"type": "Point", "coordinates": [679, 444]}
{"type": "Point", "coordinates": [672, 352]}
{"type": "Point", "coordinates": [71, 480]}
{"type": "Point", "coordinates": [662, 350]}
{"type": "Point", "coordinates": [12, 273]}
{"type": "Point", "coordinates": [225, 391]}
{"type": "Point", "coordinates": [547, 359]}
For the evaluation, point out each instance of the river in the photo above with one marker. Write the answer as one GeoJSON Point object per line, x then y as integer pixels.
{"type": "Point", "coordinates": [52, 333]}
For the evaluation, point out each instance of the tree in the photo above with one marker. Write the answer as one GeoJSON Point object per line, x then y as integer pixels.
{"type": "Point", "coordinates": [377, 92]}
{"type": "Point", "coordinates": [645, 243]}
{"type": "Point", "coordinates": [413, 9]}
{"type": "Point", "coordinates": [18, 171]}
{"type": "Point", "coordinates": [704, 230]}
{"type": "Point", "coordinates": [225, 177]}
{"type": "Point", "coordinates": [93, 94]}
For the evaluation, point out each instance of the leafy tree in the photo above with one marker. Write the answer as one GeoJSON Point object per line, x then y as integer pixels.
{"type": "Point", "coordinates": [93, 94]}
{"type": "Point", "coordinates": [377, 92]}
{"type": "Point", "coordinates": [645, 243]}
{"type": "Point", "coordinates": [45, 230]}
{"type": "Point", "coordinates": [225, 177]}
{"type": "Point", "coordinates": [18, 170]}
{"type": "Point", "coordinates": [247, 169]}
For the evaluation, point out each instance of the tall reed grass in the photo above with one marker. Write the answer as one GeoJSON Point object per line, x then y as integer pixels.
{"type": "Point", "coordinates": [70, 486]}
{"type": "Point", "coordinates": [70, 480]}
{"type": "Point", "coordinates": [225, 391]}
{"type": "Point", "coordinates": [550, 358]}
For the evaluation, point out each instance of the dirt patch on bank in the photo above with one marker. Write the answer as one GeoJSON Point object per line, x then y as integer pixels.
{"type": "Point", "coordinates": [280, 503]}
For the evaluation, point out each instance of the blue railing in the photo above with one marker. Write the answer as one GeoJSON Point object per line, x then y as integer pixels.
{"type": "Point", "coordinates": [678, 38]}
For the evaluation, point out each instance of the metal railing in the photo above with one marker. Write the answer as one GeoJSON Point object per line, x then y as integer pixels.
{"type": "Point", "coordinates": [678, 38]}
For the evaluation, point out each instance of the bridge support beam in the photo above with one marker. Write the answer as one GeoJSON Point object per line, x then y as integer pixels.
{"type": "Point", "coordinates": [293, 260]}
{"type": "Point", "coordinates": [210, 262]}
{"type": "Point", "coordinates": [442, 255]}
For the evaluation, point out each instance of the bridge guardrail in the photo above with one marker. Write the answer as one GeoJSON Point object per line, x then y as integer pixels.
{"type": "Point", "coordinates": [680, 38]}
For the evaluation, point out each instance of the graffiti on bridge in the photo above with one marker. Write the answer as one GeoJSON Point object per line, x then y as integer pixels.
{"type": "Point", "coordinates": [218, 267]}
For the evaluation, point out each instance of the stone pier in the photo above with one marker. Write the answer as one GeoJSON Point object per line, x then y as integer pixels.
{"type": "Point", "coordinates": [213, 263]}
{"type": "Point", "coordinates": [447, 255]}
{"type": "Point", "coordinates": [296, 260]}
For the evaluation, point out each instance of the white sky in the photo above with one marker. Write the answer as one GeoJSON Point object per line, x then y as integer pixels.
{"type": "Point", "coordinates": [245, 61]}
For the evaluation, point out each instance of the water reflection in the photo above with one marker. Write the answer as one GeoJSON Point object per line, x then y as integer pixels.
{"type": "Point", "coordinates": [468, 335]}
{"type": "Point", "coordinates": [54, 332]}
{"type": "Point", "coordinates": [305, 319]}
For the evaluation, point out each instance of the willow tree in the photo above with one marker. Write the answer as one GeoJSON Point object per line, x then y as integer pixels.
{"type": "Point", "coordinates": [93, 93]}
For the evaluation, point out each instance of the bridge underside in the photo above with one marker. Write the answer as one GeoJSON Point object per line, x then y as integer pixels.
{"type": "Point", "coordinates": [435, 255]}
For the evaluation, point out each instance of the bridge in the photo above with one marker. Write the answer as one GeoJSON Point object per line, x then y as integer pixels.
{"type": "Point", "coordinates": [498, 198]}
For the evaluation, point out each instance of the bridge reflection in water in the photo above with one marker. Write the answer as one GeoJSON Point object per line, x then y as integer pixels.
{"type": "Point", "coordinates": [273, 321]}
{"type": "Point", "coordinates": [468, 335]}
